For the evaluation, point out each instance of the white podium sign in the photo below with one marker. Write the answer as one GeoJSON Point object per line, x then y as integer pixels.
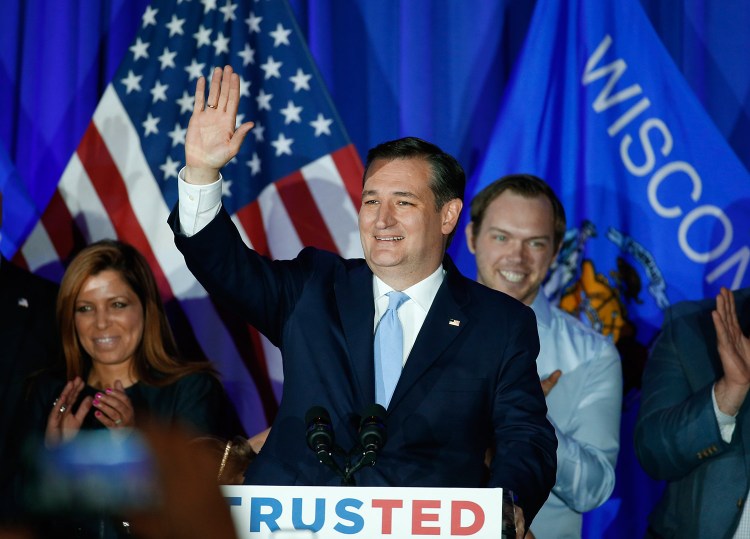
{"type": "Point", "coordinates": [283, 512]}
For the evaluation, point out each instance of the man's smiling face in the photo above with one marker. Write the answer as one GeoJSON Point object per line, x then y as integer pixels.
{"type": "Point", "coordinates": [514, 246]}
{"type": "Point", "coordinates": [403, 234]}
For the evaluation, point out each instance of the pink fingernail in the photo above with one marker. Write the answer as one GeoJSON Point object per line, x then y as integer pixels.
{"type": "Point", "coordinates": [99, 395]}
{"type": "Point", "coordinates": [108, 390]}
{"type": "Point", "coordinates": [98, 413]}
{"type": "Point", "coordinates": [96, 402]}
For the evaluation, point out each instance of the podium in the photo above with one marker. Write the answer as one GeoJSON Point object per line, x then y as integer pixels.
{"type": "Point", "coordinates": [287, 512]}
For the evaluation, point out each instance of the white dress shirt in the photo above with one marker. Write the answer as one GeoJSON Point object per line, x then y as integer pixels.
{"type": "Point", "coordinates": [726, 428]}
{"type": "Point", "coordinates": [584, 408]}
{"type": "Point", "coordinates": [198, 204]}
{"type": "Point", "coordinates": [413, 311]}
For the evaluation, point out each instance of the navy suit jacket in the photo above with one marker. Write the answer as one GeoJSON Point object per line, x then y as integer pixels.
{"type": "Point", "coordinates": [29, 343]}
{"type": "Point", "coordinates": [677, 436]}
{"type": "Point", "coordinates": [468, 385]}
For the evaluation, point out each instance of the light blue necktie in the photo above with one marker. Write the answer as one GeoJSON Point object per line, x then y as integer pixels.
{"type": "Point", "coordinates": [389, 349]}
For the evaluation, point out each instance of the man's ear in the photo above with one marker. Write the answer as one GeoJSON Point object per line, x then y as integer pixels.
{"type": "Point", "coordinates": [470, 237]}
{"type": "Point", "coordinates": [450, 213]}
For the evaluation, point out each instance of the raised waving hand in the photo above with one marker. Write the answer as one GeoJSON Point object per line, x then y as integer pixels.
{"type": "Point", "coordinates": [212, 139]}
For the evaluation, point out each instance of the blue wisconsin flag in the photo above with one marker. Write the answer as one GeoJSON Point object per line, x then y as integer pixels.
{"type": "Point", "coordinates": [658, 205]}
{"type": "Point", "coordinates": [659, 202]}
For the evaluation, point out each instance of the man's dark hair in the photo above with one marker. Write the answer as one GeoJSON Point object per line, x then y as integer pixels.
{"type": "Point", "coordinates": [527, 186]}
{"type": "Point", "coordinates": [448, 177]}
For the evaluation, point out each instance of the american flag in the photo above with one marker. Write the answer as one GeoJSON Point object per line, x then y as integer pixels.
{"type": "Point", "coordinates": [296, 181]}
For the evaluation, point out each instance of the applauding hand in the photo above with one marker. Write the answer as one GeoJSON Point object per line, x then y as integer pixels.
{"type": "Point", "coordinates": [734, 352]}
{"type": "Point", "coordinates": [62, 422]}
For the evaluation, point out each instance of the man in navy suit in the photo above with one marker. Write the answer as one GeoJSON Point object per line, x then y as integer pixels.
{"type": "Point", "coordinates": [693, 427]}
{"type": "Point", "coordinates": [469, 380]}
{"type": "Point", "coordinates": [28, 343]}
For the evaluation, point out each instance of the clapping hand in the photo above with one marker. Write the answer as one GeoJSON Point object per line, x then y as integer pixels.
{"type": "Point", "coordinates": [114, 408]}
{"type": "Point", "coordinates": [550, 382]}
{"type": "Point", "coordinates": [734, 352]}
{"type": "Point", "coordinates": [62, 422]}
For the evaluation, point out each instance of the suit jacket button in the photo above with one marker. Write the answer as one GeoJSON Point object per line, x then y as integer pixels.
{"type": "Point", "coordinates": [740, 503]}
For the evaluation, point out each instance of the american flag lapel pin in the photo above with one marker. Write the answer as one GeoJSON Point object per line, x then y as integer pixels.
{"type": "Point", "coordinates": [23, 302]}
{"type": "Point", "coordinates": [454, 322]}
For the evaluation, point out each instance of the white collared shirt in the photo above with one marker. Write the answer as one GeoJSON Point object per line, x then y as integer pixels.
{"type": "Point", "coordinates": [584, 408]}
{"type": "Point", "coordinates": [414, 311]}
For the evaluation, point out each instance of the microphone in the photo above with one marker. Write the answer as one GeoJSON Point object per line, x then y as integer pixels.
{"type": "Point", "coordinates": [319, 437]}
{"type": "Point", "coordinates": [372, 437]}
{"type": "Point", "coordinates": [372, 432]}
{"type": "Point", "coordinates": [319, 429]}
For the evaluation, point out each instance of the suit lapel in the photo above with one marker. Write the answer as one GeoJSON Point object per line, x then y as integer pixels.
{"type": "Point", "coordinates": [445, 321]}
{"type": "Point", "coordinates": [356, 307]}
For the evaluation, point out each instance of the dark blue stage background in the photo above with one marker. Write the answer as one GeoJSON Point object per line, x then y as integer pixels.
{"type": "Point", "coordinates": [442, 70]}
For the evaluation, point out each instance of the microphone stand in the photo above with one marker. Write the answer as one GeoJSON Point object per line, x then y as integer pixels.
{"type": "Point", "coordinates": [320, 439]}
{"type": "Point", "coordinates": [367, 459]}
{"type": "Point", "coordinates": [326, 458]}
{"type": "Point", "coordinates": [372, 437]}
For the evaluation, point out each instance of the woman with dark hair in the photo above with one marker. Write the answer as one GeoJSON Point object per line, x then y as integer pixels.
{"type": "Point", "coordinates": [121, 357]}
{"type": "Point", "coordinates": [123, 374]}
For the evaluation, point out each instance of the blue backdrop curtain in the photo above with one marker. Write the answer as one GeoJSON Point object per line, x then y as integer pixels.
{"type": "Point", "coordinates": [434, 69]}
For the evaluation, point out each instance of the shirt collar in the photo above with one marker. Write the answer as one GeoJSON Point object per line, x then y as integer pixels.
{"type": "Point", "coordinates": [423, 293]}
{"type": "Point", "coordinates": [542, 309]}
